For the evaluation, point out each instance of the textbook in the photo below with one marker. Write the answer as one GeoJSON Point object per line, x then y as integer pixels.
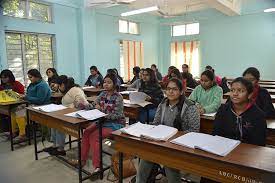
{"type": "Point", "coordinates": [213, 144]}
{"type": "Point", "coordinates": [142, 104]}
{"type": "Point", "coordinates": [158, 133]}
{"type": "Point", "coordinates": [50, 108]}
{"type": "Point", "coordinates": [89, 115]}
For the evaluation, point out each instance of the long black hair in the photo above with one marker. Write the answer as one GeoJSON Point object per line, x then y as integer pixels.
{"type": "Point", "coordinates": [113, 77]}
{"type": "Point", "coordinates": [67, 81]}
{"type": "Point", "coordinates": [210, 75]}
{"type": "Point", "coordinates": [7, 73]}
{"type": "Point", "coordinates": [253, 71]}
{"type": "Point", "coordinates": [95, 69]}
{"type": "Point", "coordinates": [35, 73]}
{"type": "Point", "coordinates": [247, 84]}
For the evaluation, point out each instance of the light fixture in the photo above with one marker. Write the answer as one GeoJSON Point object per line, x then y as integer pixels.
{"type": "Point", "coordinates": [139, 11]}
{"type": "Point", "coordinates": [269, 10]}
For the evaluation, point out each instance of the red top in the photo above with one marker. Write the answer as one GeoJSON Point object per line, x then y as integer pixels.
{"type": "Point", "coordinates": [15, 86]}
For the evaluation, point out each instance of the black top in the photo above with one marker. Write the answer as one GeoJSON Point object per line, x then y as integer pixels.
{"type": "Point", "coordinates": [264, 102]}
{"type": "Point", "coordinates": [134, 79]}
{"type": "Point", "coordinates": [99, 80]}
{"type": "Point", "coordinates": [249, 127]}
{"type": "Point", "coordinates": [153, 90]}
{"type": "Point", "coordinates": [190, 81]}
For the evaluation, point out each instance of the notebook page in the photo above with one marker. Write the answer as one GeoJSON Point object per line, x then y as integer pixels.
{"type": "Point", "coordinates": [126, 92]}
{"type": "Point", "coordinates": [50, 108]}
{"type": "Point", "coordinates": [136, 129]}
{"type": "Point", "coordinates": [160, 132]}
{"type": "Point", "coordinates": [74, 114]}
{"type": "Point", "coordinates": [210, 114]}
{"type": "Point", "coordinates": [191, 139]}
{"type": "Point", "coordinates": [219, 145]}
{"type": "Point", "coordinates": [87, 87]}
{"type": "Point", "coordinates": [91, 114]}
{"type": "Point", "coordinates": [137, 97]}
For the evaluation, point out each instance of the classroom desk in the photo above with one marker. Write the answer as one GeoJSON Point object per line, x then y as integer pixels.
{"type": "Point", "coordinates": [207, 124]}
{"type": "Point", "coordinates": [92, 91]}
{"type": "Point", "coordinates": [267, 82]}
{"type": "Point", "coordinates": [246, 163]}
{"type": "Point", "coordinates": [271, 91]}
{"type": "Point", "coordinates": [68, 125]}
{"type": "Point", "coordinates": [6, 109]}
{"type": "Point", "coordinates": [267, 86]}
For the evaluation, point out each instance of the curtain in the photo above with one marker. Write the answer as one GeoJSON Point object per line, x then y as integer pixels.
{"type": "Point", "coordinates": [131, 55]}
{"type": "Point", "coordinates": [186, 53]}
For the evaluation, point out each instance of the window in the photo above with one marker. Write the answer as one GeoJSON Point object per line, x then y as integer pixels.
{"type": "Point", "coordinates": [27, 9]}
{"type": "Point", "coordinates": [185, 29]}
{"type": "Point", "coordinates": [186, 53]}
{"type": "Point", "coordinates": [131, 55]}
{"type": "Point", "coordinates": [128, 27]}
{"type": "Point", "coordinates": [29, 51]}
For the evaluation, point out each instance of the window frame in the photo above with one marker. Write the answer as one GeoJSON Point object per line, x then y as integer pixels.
{"type": "Point", "coordinates": [128, 27]}
{"type": "Point", "coordinates": [185, 29]}
{"type": "Point", "coordinates": [23, 53]}
{"type": "Point", "coordinates": [27, 11]}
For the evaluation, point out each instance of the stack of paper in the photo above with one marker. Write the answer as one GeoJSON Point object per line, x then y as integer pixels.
{"type": "Point", "coordinates": [50, 108]}
{"type": "Point", "coordinates": [159, 132]}
{"type": "Point", "coordinates": [214, 144]}
{"type": "Point", "coordinates": [87, 87]}
{"type": "Point", "coordinates": [89, 115]}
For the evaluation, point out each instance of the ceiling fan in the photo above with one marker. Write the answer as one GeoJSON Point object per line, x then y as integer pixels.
{"type": "Point", "coordinates": [109, 2]}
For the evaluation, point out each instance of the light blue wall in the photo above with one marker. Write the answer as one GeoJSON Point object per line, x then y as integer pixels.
{"type": "Point", "coordinates": [65, 30]}
{"type": "Point", "coordinates": [230, 44]}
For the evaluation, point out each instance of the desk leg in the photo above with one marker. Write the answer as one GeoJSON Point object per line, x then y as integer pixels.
{"type": "Point", "coordinates": [29, 126]}
{"type": "Point", "coordinates": [100, 149]}
{"type": "Point", "coordinates": [79, 155]}
{"type": "Point", "coordinates": [10, 128]}
{"type": "Point", "coordinates": [70, 142]}
{"type": "Point", "coordinates": [120, 178]}
{"type": "Point", "coordinates": [34, 139]}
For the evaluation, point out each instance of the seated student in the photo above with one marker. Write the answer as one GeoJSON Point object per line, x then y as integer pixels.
{"type": "Point", "coordinates": [208, 94]}
{"type": "Point", "coordinates": [118, 76]}
{"type": "Point", "coordinates": [52, 76]}
{"type": "Point", "coordinates": [8, 82]}
{"type": "Point", "coordinates": [190, 81]}
{"type": "Point", "coordinates": [239, 118]}
{"type": "Point", "coordinates": [218, 79]}
{"type": "Point", "coordinates": [151, 87]}
{"type": "Point", "coordinates": [95, 79]}
{"type": "Point", "coordinates": [74, 97]}
{"type": "Point", "coordinates": [136, 71]}
{"type": "Point", "coordinates": [175, 73]}
{"type": "Point", "coordinates": [112, 71]}
{"type": "Point", "coordinates": [260, 96]}
{"type": "Point", "coordinates": [166, 78]}
{"type": "Point", "coordinates": [176, 111]}
{"type": "Point", "coordinates": [38, 92]}
{"type": "Point", "coordinates": [156, 71]}
{"type": "Point", "coordinates": [137, 83]}
{"type": "Point", "coordinates": [110, 102]}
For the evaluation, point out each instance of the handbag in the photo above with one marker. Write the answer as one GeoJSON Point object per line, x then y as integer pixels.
{"type": "Point", "coordinates": [129, 168]}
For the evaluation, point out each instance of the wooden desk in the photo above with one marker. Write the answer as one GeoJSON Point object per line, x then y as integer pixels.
{"type": "Point", "coordinates": [6, 109]}
{"type": "Point", "coordinates": [92, 91]}
{"type": "Point", "coordinates": [267, 82]}
{"type": "Point", "coordinates": [246, 163]}
{"type": "Point", "coordinates": [267, 86]}
{"type": "Point", "coordinates": [68, 125]}
{"type": "Point", "coordinates": [271, 91]}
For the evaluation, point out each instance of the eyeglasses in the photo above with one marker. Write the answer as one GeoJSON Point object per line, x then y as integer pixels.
{"type": "Point", "coordinates": [172, 89]}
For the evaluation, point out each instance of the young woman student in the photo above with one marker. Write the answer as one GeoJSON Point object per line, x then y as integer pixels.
{"type": "Point", "coordinates": [240, 118]}
{"type": "Point", "coordinates": [208, 95]}
{"type": "Point", "coordinates": [74, 97]}
{"type": "Point", "coordinates": [8, 82]}
{"type": "Point", "coordinates": [151, 87]}
{"type": "Point", "coordinates": [260, 95]}
{"type": "Point", "coordinates": [95, 79]}
{"type": "Point", "coordinates": [176, 111]}
{"type": "Point", "coordinates": [110, 102]}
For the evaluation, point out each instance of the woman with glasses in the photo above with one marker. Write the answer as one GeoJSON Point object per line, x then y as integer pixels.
{"type": "Point", "coordinates": [260, 96]}
{"type": "Point", "coordinates": [176, 111]}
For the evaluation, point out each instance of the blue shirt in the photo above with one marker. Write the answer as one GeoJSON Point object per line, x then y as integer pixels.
{"type": "Point", "coordinates": [39, 93]}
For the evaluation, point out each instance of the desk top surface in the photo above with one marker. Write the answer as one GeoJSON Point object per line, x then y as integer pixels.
{"type": "Point", "coordinates": [242, 155]}
{"type": "Point", "coordinates": [60, 115]}
{"type": "Point", "coordinates": [13, 103]}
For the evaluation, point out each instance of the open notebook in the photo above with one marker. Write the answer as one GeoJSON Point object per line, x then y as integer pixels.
{"type": "Point", "coordinates": [137, 98]}
{"type": "Point", "coordinates": [214, 144]}
{"type": "Point", "coordinates": [50, 108]}
{"type": "Point", "coordinates": [89, 115]}
{"type": "Point", "coordinates": [158, 133]}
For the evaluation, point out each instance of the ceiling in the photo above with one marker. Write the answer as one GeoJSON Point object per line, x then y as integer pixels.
{"type": "Point", "coordinates": [169, 8]}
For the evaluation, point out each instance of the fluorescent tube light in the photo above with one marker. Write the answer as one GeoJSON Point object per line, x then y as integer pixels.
{"type": "Point", "coordinates": [139, 11]}
{"type": "Point", "coordinates": [269, 10]}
